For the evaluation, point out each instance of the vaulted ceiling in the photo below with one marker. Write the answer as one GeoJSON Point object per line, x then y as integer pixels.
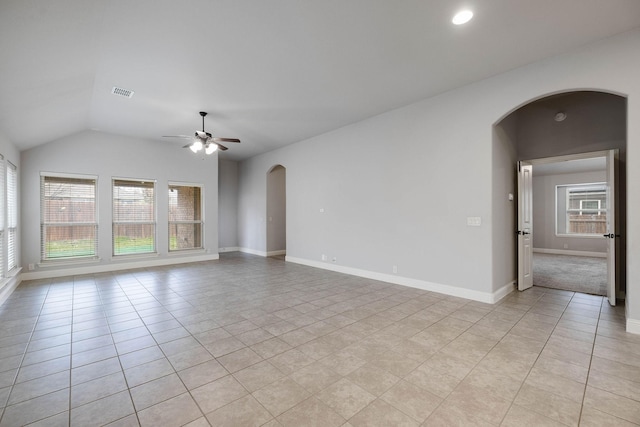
{"type": "Point", "coordinates": [268, 72]}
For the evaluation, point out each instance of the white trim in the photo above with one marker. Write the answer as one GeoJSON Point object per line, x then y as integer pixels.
{"type": "Point", "coordinates": [253, 252]}
{"type": "Point", "coordinates": [568, 252]}
{"type": "Point", "coordinates": [504, 291]}
{"type": "Point", "coordinates": [274, 253]}
{"type": "Point", "coordinates": [117, 266]}
{"type": "Point", "coordinates": [229, 249]}
{"type": "Point", "coordinates": [68, 175]}
{"type": "Point", "coordinates": [9, 285]}
{"type": "Point", "coordinates": [633, 326]}
{"type": "Point", "coordinates": [486, 297]}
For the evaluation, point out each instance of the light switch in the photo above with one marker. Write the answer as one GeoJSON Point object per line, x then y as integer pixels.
{"type": "Point", "coordinates": [474, 221]}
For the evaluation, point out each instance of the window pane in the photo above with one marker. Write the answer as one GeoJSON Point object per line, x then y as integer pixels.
{"type": "Point", "coordinates": [134, 227]}
{"type": "Point", "coordinates": [69, 220]}
{"type": "Point", "coordinates": [184, 203]}
{"type": "Point", "coordinates": [64, 241]}
{"type": "Point", "coordinates": [131, 239]}
{"type": "Point", "coordinates": [185, 236]}
{"type": "Point", "coordinates": [582, 209]}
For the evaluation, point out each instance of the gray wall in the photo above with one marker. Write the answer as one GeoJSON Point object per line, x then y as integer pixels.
{"type": "Point", "coordinates": [276, 210]}
{"type": "Point", "coordinates": [227, 205]}
{"type": "Point", "coordinates": [595, 121]}
{"type": "Point", "coordinates": [504, 210]}
{"type": "Point", "coordinates": [544, 213]}
{"type": "Point", "coordinates": [397, 188]}
{"type": "Point", "coordinates": [108, 156]}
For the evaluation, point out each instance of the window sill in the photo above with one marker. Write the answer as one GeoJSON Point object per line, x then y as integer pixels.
{"type": "Point", "coordinates": [187, 252]}
{"type": "Point", "coordinates": [13, 273]}
{"type": "Point", "coordinates": [582, 236]}
{"type": "Point", "coordinates": [134, 256]}
{"type": "Point", "coordinates": [63, 262]}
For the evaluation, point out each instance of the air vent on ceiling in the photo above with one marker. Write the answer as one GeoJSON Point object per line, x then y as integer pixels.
{"type": "Point", "coordinates": [122, 92]}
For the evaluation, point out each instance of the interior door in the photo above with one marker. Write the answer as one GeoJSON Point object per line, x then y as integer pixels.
{"type": "Point", "coordinates": [612, 231]}
{"type": "Point", "coordinates": [525, 226]}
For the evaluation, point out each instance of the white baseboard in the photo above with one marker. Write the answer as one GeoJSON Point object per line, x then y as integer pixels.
{"type": "Point", "coordinates": [253, 252]}
{"type": "Point", "coordinates": [103, 268]}
{"type": "Point", "coordinates": [568, 252]}
{"type": "Point", "coordinates": [228, 249]}
{"type": "Point", "coordinates": [504, 291]}
{"type": "Point", "coordinates": [486, 297]}
{"type": "Point", "coordinates": [274, 253]}
{"type": "Point", "coordinates": [633, 326]}
{"type": "Point", "coordinates": [262, 253]}
{"type": "Point", "coordinates": [9, 285]}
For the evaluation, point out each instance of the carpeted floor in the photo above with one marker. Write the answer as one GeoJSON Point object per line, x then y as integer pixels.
{"type": "Point", "coordinates": [572, 273]}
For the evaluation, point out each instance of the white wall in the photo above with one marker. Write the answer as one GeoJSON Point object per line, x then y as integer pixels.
{"type": "Point", "coordinates": [227, 205]}
{"type": "Point", "coordinates": [108, 156]}
{"type": "Point", "coordinates": [544, 213]}
{"type": "Point", "coordinates": [397, 188]}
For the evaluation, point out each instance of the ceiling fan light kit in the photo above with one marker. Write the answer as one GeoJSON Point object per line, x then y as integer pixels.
{"type": "Point", "coordinates": [203, 139]}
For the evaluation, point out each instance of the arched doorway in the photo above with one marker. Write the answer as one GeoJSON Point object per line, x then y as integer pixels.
{"type": "Point", "coordinates": [276, 212]}
{"type": "Point", "coordinates": [556, 128]}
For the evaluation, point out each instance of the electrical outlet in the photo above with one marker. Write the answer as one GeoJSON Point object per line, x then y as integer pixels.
{"type": "Point", "coordinates": [395, 268]}
{"type": "Point", "coordinates": [334, 259]}
{"type": "Point", "coordinates": [324, 257]}
{"type": "Point", "coordinates": [32, 267]}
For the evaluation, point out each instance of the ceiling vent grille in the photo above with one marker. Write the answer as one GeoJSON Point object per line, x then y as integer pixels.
{"type": "Point", "coordinates": [122, 92]}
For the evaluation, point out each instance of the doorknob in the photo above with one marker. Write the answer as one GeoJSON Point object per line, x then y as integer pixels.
{"type": "Point", "coordinates": [523, 233]}
{"type": "Point", "coordinates": [611, 235]}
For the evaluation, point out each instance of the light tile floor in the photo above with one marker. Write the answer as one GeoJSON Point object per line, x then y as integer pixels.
{"type": "Point", "coordinates": [250, 341]}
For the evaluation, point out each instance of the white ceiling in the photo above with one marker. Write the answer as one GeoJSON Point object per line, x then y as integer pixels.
{"type": "Point", "coordinates": [268, 72]}
{"type": "Point", "coordinates": [596, 164]}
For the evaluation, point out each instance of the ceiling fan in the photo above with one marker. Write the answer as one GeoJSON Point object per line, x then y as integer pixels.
{"type": "Point", "coordinates": [204, 140]}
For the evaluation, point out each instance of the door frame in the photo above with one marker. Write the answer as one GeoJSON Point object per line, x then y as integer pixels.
{"type": "Point", "coordinates": [580, 156]}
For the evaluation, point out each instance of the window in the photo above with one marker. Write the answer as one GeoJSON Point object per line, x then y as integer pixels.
{"type": "Point", "coordinates": [185, 217]}
{"type": "Point", "coordinates": [69, 225]}
{"type": "Point", "coordinates": [134, 217]}
{"type": "Point", "coordinates": [2, 218]}
{"type": "Point", "coordinates": [581, 209]}
{"type": "Point", "coordinates": [12, 215]}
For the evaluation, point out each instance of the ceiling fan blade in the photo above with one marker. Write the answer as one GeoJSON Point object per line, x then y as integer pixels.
{"type": "Point", "coordinates": [187, 146]}
{"type": "Point", "coordinates": [177, 136]}
{"type": "Point", "coordinates": [221, 147]}
{"type": "Point", "coordinates": [216, 139]}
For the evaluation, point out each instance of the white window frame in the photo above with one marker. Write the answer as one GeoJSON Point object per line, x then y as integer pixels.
{"type": "Point", "coordinates": [115, 223]}
{"type": "Point", "coordinates": [174, 223]}
{"type": "Point", "coordinates": [564, 210]}
{"type": "Point", "coordinates": [44, 224]}
{"type": "Point", "coordinates": [3, 217]}
{"type": "Point", "coordinates": [12, 216]}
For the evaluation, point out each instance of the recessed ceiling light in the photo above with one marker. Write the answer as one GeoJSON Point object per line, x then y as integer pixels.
{"type": "Point", "coordinates": [462, 17]}
{"type": "Point", "coordinates": [560, 116]}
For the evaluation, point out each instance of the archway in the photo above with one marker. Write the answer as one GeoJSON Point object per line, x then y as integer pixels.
{"type": "Point", "coordinates": [276, 223]}
{"type": "Point", "coordinates": [590, 121]}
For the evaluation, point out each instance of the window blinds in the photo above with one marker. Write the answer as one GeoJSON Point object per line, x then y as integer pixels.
{"type": "Point", "coordinates": [69, 226]}
{"type": "Point", "coordinates": [12, 215]}
{"type": "Point", "coordinates": [3, 205]}
{"type": "Point", "coordinates": [134, 217]}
